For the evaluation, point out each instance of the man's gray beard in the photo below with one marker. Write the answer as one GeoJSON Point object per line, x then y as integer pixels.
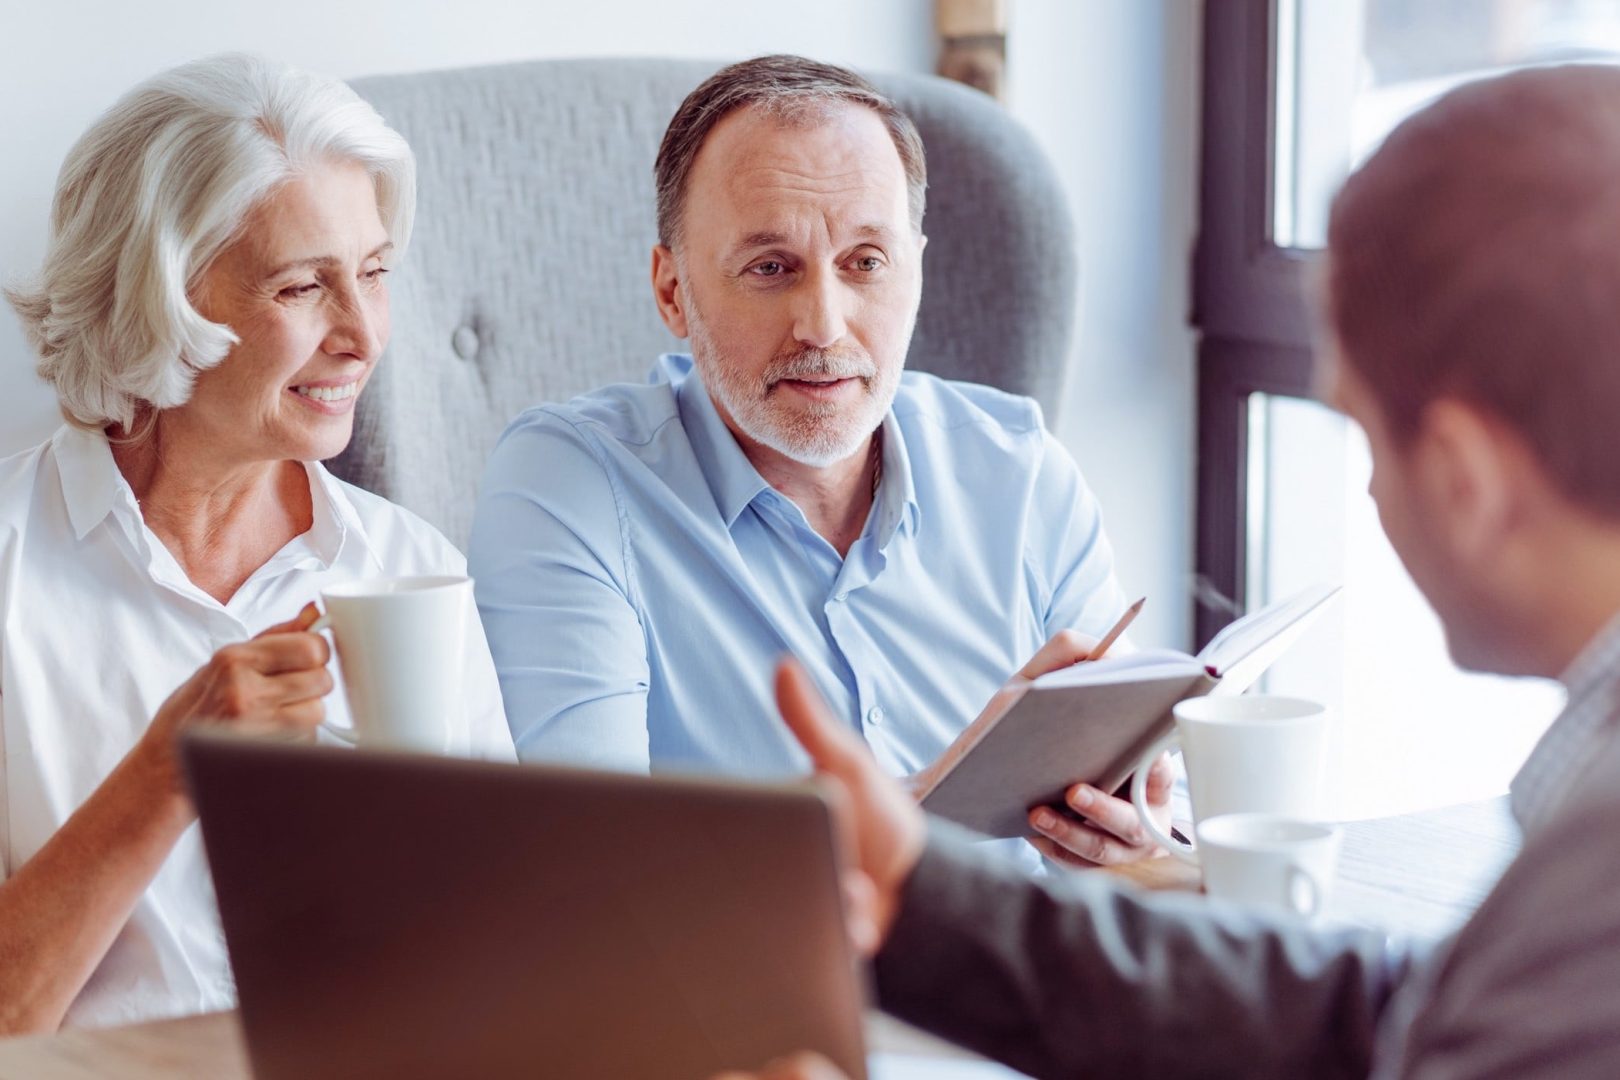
{"type": "Point", "coordinates": [811, 436]}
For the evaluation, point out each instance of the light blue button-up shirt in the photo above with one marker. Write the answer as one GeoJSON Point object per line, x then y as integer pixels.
{"type": "Point", "coordinates": [638, 579]}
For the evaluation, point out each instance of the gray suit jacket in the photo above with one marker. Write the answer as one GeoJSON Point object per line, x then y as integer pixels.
{"type": "Point", "coordinates": [1087, 977]}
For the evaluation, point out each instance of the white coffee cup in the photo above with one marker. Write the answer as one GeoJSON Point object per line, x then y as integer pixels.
{"type": "Point", "coordinates": [1244, 753]}
{"type": "Point", "coordinates": [401, 646]}
{"type": "Point", "coordinates": [1269, 861]}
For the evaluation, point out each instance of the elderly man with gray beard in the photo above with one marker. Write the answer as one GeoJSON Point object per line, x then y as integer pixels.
{"type": "Point", "coordinates": [644, 553]}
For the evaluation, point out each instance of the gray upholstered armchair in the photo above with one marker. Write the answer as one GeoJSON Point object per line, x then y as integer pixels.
{"type": "Point", "coordinates": [528, 276]}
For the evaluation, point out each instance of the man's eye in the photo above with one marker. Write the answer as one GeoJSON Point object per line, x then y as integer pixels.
{"type": "Point", "coordinates": [868, 264]}
{"type": "Point", "coordinates": [769, 268]}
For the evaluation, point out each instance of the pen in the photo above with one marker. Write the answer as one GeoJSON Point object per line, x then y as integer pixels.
{"type": "Point", "coordinates": [1119, 628]}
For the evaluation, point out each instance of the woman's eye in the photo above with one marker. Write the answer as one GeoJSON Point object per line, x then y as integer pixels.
{"type": "Point", "coordinates": [298, 292]}
{"type": "Point", "coordinates": [375, 275]}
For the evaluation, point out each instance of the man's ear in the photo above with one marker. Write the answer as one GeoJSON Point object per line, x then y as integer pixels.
{"type": "Point", "coordinates": [666, 283]}
{"type": "Point", "coordinates": [1474, 470]}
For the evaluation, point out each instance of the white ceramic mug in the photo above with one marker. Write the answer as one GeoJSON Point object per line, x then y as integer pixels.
{"type": "Point", "coordinates": [1249, 752]}
{"type": "Point", "coordinates": [1269, 861]}
{"type": "Point", "coordinates": [402, 646]}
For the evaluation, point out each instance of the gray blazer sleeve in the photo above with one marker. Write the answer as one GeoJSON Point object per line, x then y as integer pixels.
{"type": "Point", "coordinates": [1083, 976]}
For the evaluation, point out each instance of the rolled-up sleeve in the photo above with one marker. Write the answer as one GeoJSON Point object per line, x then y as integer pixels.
{"type": "Point", "coordinates": [557, 599]}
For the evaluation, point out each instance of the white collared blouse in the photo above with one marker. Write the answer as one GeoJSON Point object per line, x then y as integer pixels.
{"type": "Point", "coordinates": [99, 624]}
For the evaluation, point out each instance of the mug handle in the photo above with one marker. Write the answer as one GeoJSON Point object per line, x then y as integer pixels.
{"type": "Point", "coordinates": [1179, 848]}
{"type": "Point", "coordinates": [1304, 894]}
{"type": "Point", "coordinates": [347, 736]}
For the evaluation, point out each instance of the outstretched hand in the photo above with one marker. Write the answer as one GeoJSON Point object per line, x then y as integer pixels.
{"type": "Point", "coordinates": [880, 826]}
{"type": "Point", "coordinates": [881, 834]}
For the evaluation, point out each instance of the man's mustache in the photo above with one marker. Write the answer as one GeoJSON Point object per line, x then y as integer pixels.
{"type": "Point", "coordinates": [819, 364]}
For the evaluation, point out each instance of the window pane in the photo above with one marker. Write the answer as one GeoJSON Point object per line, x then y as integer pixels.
{"type": "Point", "coordinates": [1410, 730]}
{"type": "Point", "coordinates": [1348, 71]}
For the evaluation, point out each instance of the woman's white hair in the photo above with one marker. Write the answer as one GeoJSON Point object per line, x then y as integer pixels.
{"type": "Point", "coordinates": [151, 195]}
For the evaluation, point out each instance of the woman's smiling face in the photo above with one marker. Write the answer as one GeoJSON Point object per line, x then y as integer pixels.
{"type": "Point", "coordinates": [303, 289]}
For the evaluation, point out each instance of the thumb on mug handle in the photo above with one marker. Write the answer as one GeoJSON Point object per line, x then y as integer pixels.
{"type": "Point", "coordinates": [343, 735]}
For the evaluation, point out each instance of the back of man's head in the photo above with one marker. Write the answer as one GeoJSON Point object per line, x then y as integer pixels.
{"type": "Point", "coordinates": [1476, 257]}
{"type": "Point", "coordinates": [797, 91]}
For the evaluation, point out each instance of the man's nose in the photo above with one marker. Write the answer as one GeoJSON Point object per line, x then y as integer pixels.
{"type": "Point", "coordinates": [820, 320]}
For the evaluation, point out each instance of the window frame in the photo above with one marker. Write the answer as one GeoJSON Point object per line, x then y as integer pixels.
{"type": "Point", "coordinates": [1249, 295]}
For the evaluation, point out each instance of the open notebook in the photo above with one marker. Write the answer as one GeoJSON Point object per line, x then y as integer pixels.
{"type": "Point", "coordinates": [1092, 721]}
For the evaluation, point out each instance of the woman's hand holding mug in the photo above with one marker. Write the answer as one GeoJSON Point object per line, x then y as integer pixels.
{"type": "Point", "coordinates": [271, 684]}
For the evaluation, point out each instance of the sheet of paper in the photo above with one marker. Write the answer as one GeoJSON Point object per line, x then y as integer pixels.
{"type": "Point", "coordinates": [921, 1067]}
{"type": "Point", "coordinates": [1243, 650]}
{"type": "Point", "coordinates": [1147, 664]}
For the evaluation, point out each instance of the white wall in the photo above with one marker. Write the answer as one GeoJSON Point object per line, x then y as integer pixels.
{"type": "Point", "coordinates": [1107, 86]}
{"type": "Point", "coordinates": [1111, 89]}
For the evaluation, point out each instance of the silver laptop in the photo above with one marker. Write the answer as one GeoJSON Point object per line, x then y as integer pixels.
{"type": "Point", "coordinates": [401, 916]}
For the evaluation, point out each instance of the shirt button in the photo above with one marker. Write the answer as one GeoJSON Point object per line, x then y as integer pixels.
{"type": "Point", "coordinates": [465, 342]}
{"type": "Point", "coordinates": [874, 716]}
{"type": "Point", "coordinates": [839, 598]}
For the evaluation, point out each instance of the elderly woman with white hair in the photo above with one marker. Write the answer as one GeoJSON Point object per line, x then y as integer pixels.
{"type": "Point", "coordinates": [213, 301]}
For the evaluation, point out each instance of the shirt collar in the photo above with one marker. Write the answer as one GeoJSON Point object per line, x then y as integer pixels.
{"type": "Point", "coordinates": [92, 488]}
{"type": "Point", "coordinates": [334, 524]}
{"type": "Point", "coordinates": [91, 483]}
{"type": "Point", "coordinates": [1548, 774]}
{"type": "Point", "coordinates": [1594, 667]}
{"type": "Point", "coordinates": [897, 491]}
{"type": "Point", "coordinates": [735, 482]}
{"type": "Point", "coordinates": [732, 478]}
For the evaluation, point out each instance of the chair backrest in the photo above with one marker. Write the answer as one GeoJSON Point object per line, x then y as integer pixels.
{"type": "Point", "coordinates": [528, 274]}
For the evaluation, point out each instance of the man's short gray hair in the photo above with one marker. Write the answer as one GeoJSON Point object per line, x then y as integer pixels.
{"type": "Point", "coordinates": [150, 196]}
{"type": "Point", "coordinates": [798, 91]}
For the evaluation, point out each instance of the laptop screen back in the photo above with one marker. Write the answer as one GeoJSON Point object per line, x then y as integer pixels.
{"type": "Point", "coordinates": [394, 915]}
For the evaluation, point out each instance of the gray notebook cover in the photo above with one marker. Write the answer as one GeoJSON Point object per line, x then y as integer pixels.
{"type": "Point", "coordinates": [1052, 737]}
{"type": "Point", "coordinates": [1094, 731]}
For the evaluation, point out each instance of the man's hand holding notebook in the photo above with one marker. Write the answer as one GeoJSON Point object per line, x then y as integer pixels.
{"type": "Point", "coordinates": [1059, 724]}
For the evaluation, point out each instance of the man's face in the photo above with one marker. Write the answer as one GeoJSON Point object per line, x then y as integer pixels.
{"type": "Point", "coordinates": [797, 278]}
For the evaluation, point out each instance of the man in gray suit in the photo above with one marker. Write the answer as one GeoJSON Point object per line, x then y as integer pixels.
{"type": "Point", "coordinates": [1472, 306]}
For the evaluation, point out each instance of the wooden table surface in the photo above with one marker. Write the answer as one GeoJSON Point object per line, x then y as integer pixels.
{"type": "Point", "coordinates": [1418, 874]}
{"type": "Point", "coordinates": [1421, 874]}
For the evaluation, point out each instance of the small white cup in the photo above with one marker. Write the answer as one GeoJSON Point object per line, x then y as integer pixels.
{"type": "Point", "coordinates": [1249, 752]}
{"type": "Point", "coordinates": [1269, 861]}
{"type": "Point", "coordinates": [401, 644]}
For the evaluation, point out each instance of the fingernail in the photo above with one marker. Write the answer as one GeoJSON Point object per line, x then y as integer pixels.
{"type": "Point", "coordinates": [1045, 819]}
{"type": "Point", "coordinates": [1081, 798]}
